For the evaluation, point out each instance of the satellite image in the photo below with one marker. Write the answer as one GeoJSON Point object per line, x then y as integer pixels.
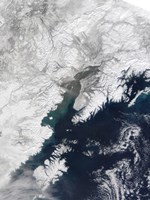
{"type": "Point", "coordinates": [74, 100]}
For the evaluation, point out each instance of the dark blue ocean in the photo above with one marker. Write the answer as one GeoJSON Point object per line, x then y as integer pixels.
{"type": "Point", "coordinates": [101, 131]}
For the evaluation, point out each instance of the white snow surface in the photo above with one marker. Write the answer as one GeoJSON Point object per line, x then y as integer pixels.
{"type": "Point", "coordinates": [52, 169]}
{"type": "Point", "coordinates": [140, 3]}
{"type": "Point", "coordinates": [39, 51]}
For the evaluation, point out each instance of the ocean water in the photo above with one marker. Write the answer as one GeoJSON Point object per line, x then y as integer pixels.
{"type": "Point", "coordinates": [96, 149]}
{"type": "Point", "coordinates": [101, 132]}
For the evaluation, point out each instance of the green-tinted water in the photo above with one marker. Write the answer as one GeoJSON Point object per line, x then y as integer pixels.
{"type": "Point", "coordinates": [54, 116]}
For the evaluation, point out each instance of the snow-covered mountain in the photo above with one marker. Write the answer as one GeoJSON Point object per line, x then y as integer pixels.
{"type": "Point", "coordinates": [48, 44]}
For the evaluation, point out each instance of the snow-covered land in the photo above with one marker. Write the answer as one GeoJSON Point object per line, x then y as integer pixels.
{"type": "Point", "coordinates": [44, 44]}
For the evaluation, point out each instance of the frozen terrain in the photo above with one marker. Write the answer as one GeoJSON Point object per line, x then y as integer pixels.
{"type": "Point", "coordinates": [48, 44]}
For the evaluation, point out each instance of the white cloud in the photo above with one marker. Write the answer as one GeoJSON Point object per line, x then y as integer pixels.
{"type": "Point", "coordinates": [145, 4]}
{"type": "Point", "coordinates": [24, 187]}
